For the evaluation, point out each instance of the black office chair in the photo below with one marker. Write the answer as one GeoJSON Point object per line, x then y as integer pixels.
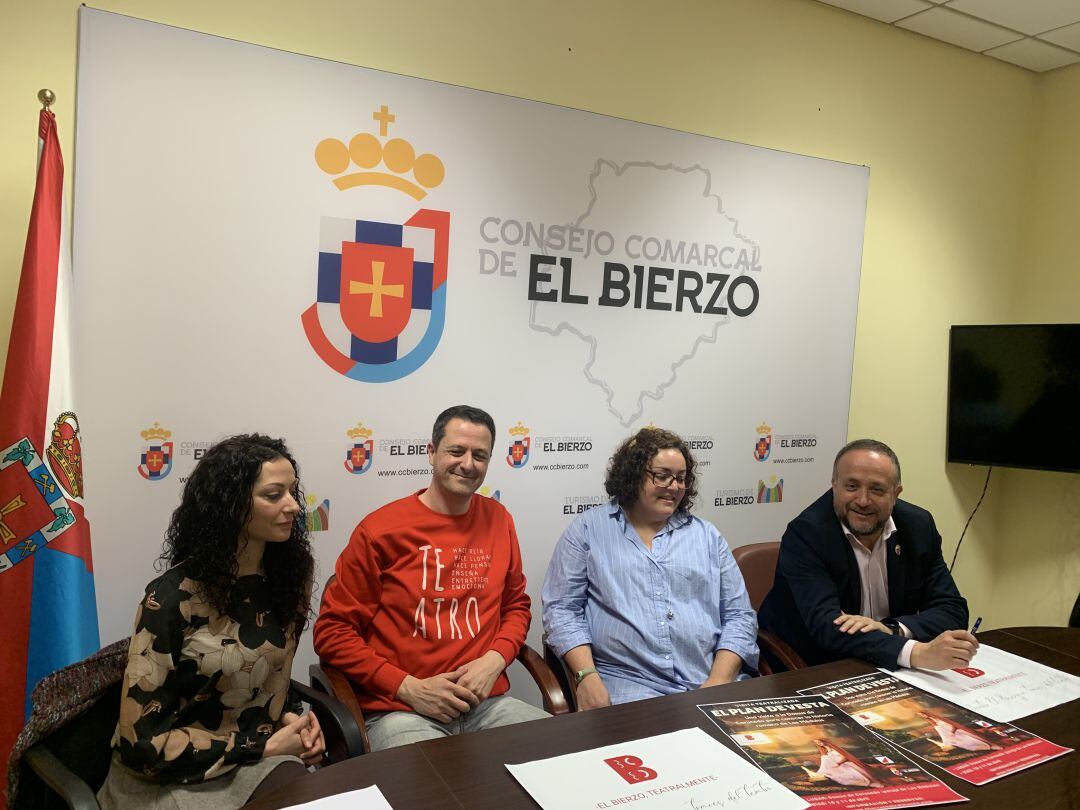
{"type": "Point", "coordinates": [62, 755]}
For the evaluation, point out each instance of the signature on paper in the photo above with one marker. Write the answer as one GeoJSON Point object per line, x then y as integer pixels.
{"type": "Point", "coordinates": [734, 796]}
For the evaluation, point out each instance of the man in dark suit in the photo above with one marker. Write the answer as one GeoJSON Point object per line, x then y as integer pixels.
{"type": "Point", "coordinates": [860, 574]}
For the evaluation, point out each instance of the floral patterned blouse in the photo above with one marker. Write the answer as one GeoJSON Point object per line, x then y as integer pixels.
{"type": "Point", "coordinates": [202, 691]}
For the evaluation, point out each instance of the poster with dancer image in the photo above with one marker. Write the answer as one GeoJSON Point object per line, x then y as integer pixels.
{"type": "Point", "coordinates": [967, 745]}
{"type": "Point", "coordinates": [822, 755]}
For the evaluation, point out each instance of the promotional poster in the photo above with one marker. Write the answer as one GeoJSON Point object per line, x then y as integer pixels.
{"type": "Point", "coordinates": [967, 745]}
{"type": "Point", "coordinates": [819, 753]}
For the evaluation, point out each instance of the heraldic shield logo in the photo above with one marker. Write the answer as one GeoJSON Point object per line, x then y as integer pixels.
{"type": "Point", "coordinates": [156, 456]}
{"type": "Point", "coordinates": [33, 510]}
{"type": "Point", "coordinates": [517, 455]}
{"type": "Point", "coordinates": [360, 455]}
{"type": "Point", "coordinates": [380, 304]}
{"type": "Point", "coordinates": [763, 446]}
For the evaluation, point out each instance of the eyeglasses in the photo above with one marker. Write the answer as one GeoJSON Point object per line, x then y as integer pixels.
{"type": "Point", "coordinates": [663, 478]}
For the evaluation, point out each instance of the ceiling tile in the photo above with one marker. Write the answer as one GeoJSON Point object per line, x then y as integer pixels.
{"type": "Point", "coordinates": [958, 29]}
{"type": "Point", "coordinates": [1028, 16]}
{"type": "Point", "coordinates": [884, 10]}
{"type": "Point", "coordinates": [1034, 55]}
{"type": "Point", "coordinates": [1069, 36]}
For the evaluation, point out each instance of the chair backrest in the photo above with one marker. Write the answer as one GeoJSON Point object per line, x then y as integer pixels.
{"type": "Point", "coordinates": [562, 674]}
{"type": "Point", "coordinates": [757, 562]}
{"type": "Point", "coordinates": [75, 711]}
{"type": "Point", "coordinates": [82, 744]}
{"type": "Point", "coordinates": [322, 597]}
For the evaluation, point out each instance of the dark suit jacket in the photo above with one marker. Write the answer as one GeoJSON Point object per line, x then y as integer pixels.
{"type": "Point", "coordinates": [817, 577]}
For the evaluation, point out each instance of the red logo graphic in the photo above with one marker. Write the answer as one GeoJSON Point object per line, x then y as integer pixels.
{"type": "Point", "coordinates": [631, 769]}
{"type": "Point", "coordinates": [374, 281]}
{"type": "Point", "coordinates": [970, 672]}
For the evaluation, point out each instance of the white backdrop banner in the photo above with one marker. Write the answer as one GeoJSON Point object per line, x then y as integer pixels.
{"type": "Point", "coordinates": [273, 242]}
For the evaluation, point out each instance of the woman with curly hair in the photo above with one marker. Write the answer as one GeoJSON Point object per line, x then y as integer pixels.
{"type": "Point", "coordinates": [641, 598]}
{"type": "Point", "coordinates": [206, 716]}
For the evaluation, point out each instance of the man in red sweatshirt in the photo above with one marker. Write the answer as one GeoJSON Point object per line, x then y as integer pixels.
{"type": "Point", "coordinates": [429, 604]}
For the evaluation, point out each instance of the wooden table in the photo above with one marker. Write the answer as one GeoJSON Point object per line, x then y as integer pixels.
{"type": "Point", "coordinates": [468, 771]}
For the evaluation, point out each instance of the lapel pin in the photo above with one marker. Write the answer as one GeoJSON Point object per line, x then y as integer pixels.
{"type": "Point", "coordinates": [896, 548]}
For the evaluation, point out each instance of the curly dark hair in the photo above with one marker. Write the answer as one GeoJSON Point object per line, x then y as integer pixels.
{"type": "Point", "coordinates": [204, 531]}
{"type": "Point", "coordinates": [626, 469]}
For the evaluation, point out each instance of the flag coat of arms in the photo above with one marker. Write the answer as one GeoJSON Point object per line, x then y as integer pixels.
{"type": "Point", "coordinates": [381, 296]}
{"type": "Point", "coordinates": [46, 571]}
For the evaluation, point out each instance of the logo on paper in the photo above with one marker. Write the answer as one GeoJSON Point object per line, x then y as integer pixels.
{"type": "Point", "coordinates": [969, 672]}
{"type": "Point", "coordinates": [380, 304]}
{"type": "Point", "coordinates": [361, 453]}
{"type": "Point", "coordinates": [749, 738]}
{"type": "Point", "coordinates": [631, 768]}
{"type": "Point", "coordinates": [156, 457]}
{"type": "Point", "coordinates": [763, 446]}
{"type": "Point", "coordinates": [517, 456]}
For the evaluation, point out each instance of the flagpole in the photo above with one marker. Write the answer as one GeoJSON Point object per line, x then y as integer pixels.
{"type": "Point", "coordinates": [46, 568]}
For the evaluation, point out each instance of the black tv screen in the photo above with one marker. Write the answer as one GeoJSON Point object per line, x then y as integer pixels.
{"type": "Point", "coordinates": [1014, 396]}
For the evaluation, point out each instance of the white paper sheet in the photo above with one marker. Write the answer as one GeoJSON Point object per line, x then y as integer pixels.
{"type": "Point", "coordinates": [998, 684]}
{"type": "Point", "coordinates": [678, 770]}
{"type": "Point", "coordinates": [369, 798]}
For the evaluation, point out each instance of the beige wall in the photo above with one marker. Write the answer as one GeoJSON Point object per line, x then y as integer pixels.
{"type": "Point", "coordinates": [1038, 549]}
{"type": "Point", "coordinates": [958, 145]}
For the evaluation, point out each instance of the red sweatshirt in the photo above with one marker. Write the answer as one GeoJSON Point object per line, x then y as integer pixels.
{"type": "Point", "coordinates": [419, 593]}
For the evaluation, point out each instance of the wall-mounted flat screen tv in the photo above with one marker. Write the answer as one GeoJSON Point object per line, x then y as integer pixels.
{"type": "Point", "coordinates": [1014, 396]}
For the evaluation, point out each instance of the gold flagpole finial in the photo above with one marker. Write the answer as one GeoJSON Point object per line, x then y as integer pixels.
{"type": "Point", "coordinates": [47, 98]}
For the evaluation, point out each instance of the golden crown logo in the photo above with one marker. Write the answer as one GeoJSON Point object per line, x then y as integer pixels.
{"type": "Point", "coordinates": [360, 432]}
{"type": "Point", "coordinates": [519, 430]}
{"type": "Point", "coordinates": [366, 152]}
{"type": "Point", "coordinates": [155, 434]}
{"type": "Point", "coordinates": [764, 429]}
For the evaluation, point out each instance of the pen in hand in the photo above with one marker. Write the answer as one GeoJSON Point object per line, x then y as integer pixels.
{"type": "Point", "coordinates": [975, 627]}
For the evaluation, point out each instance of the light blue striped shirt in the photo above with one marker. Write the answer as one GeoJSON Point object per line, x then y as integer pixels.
{"type": "Point", "coordinates": [655, 619]}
